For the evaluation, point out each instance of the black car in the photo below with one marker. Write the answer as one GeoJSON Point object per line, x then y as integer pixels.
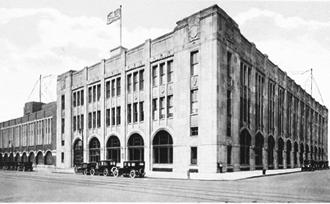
{"type": "Point", "coordinates": [131, 169]}
{"type": "Point", "coordinates": [84, 168]}
{"type": "Point", "coordinates": [104, 167]}
{"type": "Point", "coordinates": [24, 166]}
{"type": "Point", "coordinates": [308, 165]}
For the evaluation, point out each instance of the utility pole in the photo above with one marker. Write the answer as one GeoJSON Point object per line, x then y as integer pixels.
{"type": "Point", "coordinates": [40, 88]}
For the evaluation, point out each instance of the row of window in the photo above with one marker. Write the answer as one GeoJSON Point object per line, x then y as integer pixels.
{"type": "Point", "coordinates": [158, 109]}
{"type": "Point", "coordinates": [113, 87]}
{"type": "Point", "coordinates": [78, 98]}
{"type": "Point", "coordinates": [94, 93]}
{"type": "Point", "coordinates": [113, 118]}
{"type": "Point", "coordinates": [34, 133]}
{"type": "Point", "coordinates": [135, 110]}
{"type": "Point", "coordinates": [78, 122]}
{"type": "Point", "coordinates": [138, 81]}
{"type": "Point", "coordinates": [162, 71]}
{"type": "Point", "coordinates": [94, 119]}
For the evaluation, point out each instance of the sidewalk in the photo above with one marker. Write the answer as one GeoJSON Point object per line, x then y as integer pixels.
{"type": "Point", "coordinates": [199, 176]}
{"type": "Point", "coordinates": [223, 176]}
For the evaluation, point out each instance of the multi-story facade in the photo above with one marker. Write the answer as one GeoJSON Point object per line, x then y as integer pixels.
{"type": "Point", "coordinates": [31, 137]}
{"type": "Point", "coordinates": [197, 98]}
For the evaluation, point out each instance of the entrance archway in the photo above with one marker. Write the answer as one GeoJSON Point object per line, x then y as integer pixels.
{"type": "Point", "coordinates": [162, 148]}
{"type": "Point", "coordinates": [94, 150]}
{"type": "Point", "coordinates": [306, 152]}
{"type": "Point", "coordinates": [24, 157]}
{"type": "Point", "coordinates": [6, 157]}
{"type": "Point", "coordinates": [48, 158]}
{"type": "Point", "coordinates": [280, 149]}
{"type": "Point", "coordinates": [245, 143]}
{"type": "Point", "coordinates": [77, 152]}
{"type": "Point", "coordinates": [17, 157]}
{"type": "Point", "coordinates": [11, 157]}
{"type": "Point", "coordinates": [271, 145]}
{"type": "Point", "coordinates": [40, 158]}
{"type": "Point", "coordinates": [31, 157]}
{"type": "Point", "coordinates": [259, 143]}
{"type": "Point", "coordinates": [113, 149]}
{"type": "Point", "coordinates": [135, 147]}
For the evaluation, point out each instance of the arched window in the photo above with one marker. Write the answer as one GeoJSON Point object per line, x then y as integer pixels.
{"type": "Point", "coordinates": [113, 149]}
{"type": "Point", "coordinates": [40, 158]}
{"type": "Point", "coordinates": [271, 145]}
{"type": "Point", "coordinates": [31, 157]}
{"type": "Point", "coordinates": [162, 148]}
{"type": "Point", "coordinates": [280, 153]}
{"type": "Point", "coordinates": [288, 153]}
{"type": "Point", "coordinates": [5, 157]}
{"type": "Point", "coordinates": [301, 153]}
{"type": "Point", "coordinates": [295, 152]}
{"type": "Point", "coordinates": [24, 157]}
{"type": "Point", "coordinates": [135, 148]}
{"type": "Point", "coordinates": [94, 150]}
{"type": "Point", "coordinates": [245, 143]}
{"type": "Point", "coordinates": [17, 158]}
{"type": "Point", "coordinates": [258, 150]}
{"type": "Point", "coordinates": [78, 152]}
{"type": "Point", "coordinates": [48, 158]}
{"type": "Point", "coordinates": [11, 157]}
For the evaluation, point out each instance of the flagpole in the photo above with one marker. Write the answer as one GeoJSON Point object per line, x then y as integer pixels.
{"type": "Point", "coordinates": [120, 27]}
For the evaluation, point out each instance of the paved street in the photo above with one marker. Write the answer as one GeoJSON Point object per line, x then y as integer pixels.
{"type": "Point", "coordinates": [42, 187]}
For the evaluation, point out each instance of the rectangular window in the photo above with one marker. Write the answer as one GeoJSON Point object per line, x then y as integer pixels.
{"type": "Point", "coordinates": [141, 111]}
{"type": "Point", "coordinates": [107, 89]}
{"type": "Point", "coordinates": [118, 86]}
{"type": "Point", "coordinates": [98, 92]}
{"type": "Point", "coordinates": [98, 119]}
{"type": "Point", "coordinates": [135, 81]}
{"type": "Point", "coordinates": [129, 83]}
{"type": "Point", "coordinates": [62, 157]}
{"type": "Point", "coordinates": [169, 71]}
{"type": "Point", "coordinates": [113, 88]}
{"type": "Point", "coordinates": [194, 64]}
{"type": "Point", "coordinates": [63, 102]}
{"type": "Point", "coordinates": [194, 131]}
{"type": "Point", "coordinates": [228, 113]}
{"type": "Point", "coordinates": [94, 119]}
{"type": "Point", "coordinates": [62, 126]}
{"type": "Point", "coordinates": [129, 113]}
{"type": "Point", "coordinates": [194, 101]}
{"type": "Point", "coordinates": [229, 155]}
{"type": "Point", "coordinates": [94, 93]}
{"type": "Point", "coordinates": [162, 73]}
{"type": "Point", "coordinates": [162, 107]}
{"type": "Point", "coordinates": [89, 120]}
{"type": "Point", "coordinates": [170, 106]}
{"type": "Point", "coordinates": [193, 155]}
{"type": "Point", "coordinates": [154, 109]}
{"type": "Point", "coordinates": [78, 98]}
{"type": "Point", "coordinates": [135, 112]}
{"type": "Point", "coordinates": [78, 121]}
{"type": "Point", "coordinates": [113, 116]}
{"type": "Point", "coordinates": [74, 123]}
{"type": "Point", "coordinates": [82, 97]}
{"type": "Point", "coordinates": [90, 95]}
{"type": "Point", "coordinates": [107, 117]}
{"type": "Point", "coordinates": [74, 100]}
{"type": "Point", "coordinates": [154, 76]}
{"type": "Point", "coordinates": [82, 122]}
{"type": "Point", "coordinates": [141, 79]}
{"type": "Point", "coordinates": [118, 116]}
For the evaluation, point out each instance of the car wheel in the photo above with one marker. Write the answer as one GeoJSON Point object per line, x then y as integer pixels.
{"type": "Point", "coordinates": [106, 172]}
{"type": "Point", "coordinates": [115, 172]}
{"type": "Point", "coordinates": [92, 172]}
{"type": "Point", "coordinates": [85, 172]}
{"type": "Point", "coordinates": [132, 174]}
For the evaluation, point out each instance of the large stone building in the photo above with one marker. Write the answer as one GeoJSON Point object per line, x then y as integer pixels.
{"type": "Point", "coordinates": [31, 137]}
{"type": "Point", "coordinates": [199, 97]}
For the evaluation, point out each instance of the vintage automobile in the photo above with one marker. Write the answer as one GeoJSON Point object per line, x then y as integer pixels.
{"type": "Point", "coordinates": [131, 169]}
{"type": "Point", "coordinates": [104, 167]}
{"type": "Point", "coordinates": [308, 165]}
{"type": "Point", "coordinates": [84, 168]}
{"type": "Point", "coordinates": [24, 166]}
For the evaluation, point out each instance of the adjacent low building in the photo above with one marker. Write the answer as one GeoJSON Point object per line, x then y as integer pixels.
{"type": "Point", "coordinates": [31, 137]}
{"type": "Point", "coordinates": [197, 99]}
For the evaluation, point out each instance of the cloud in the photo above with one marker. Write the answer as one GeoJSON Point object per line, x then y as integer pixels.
{"type": "Point", "coordinates": [280, 20]}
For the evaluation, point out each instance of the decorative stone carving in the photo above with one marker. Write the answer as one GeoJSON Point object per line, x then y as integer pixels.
{"type": "Point", "coordinates": [193, 28]}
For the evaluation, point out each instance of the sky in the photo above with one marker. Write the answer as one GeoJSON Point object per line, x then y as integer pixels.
{"type": "Point", "coordinates": [48, 38]}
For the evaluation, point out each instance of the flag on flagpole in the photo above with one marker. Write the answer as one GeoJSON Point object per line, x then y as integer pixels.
{"type": "Point", "coordinates": [113, 16]}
